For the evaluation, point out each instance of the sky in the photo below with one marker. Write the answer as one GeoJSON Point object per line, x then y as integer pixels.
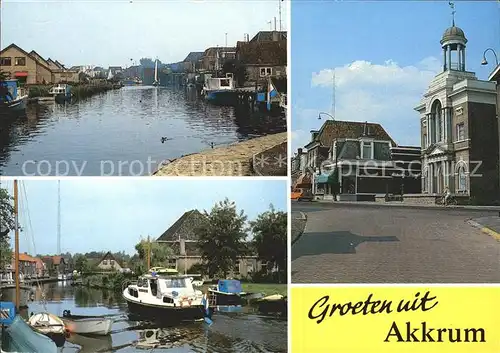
{"type": "Point", "coordinates": [384, 53]}
{"type": "Point", "coordinates": [112, 214]}
{"type": "Point", "coordinates": [110, 33]}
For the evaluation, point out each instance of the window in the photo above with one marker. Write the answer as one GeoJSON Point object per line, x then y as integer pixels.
{"type": "Point", "coordinates": [175, 283]}
{"type": "Point", "coordinates": [20, 61]}
{"type": "Point", "coordinates": [112, 262]}
{"type": "Point", "coordinates": [462, 179]}
{"type": "Point", "coordinates": [172, 263]}
{"type": "Point", "coordinates": [104, 262]}
{"type": "Point", "coordinates": [249, 267]}
{"type": "Point", "coordinates": [265, 71]}
{"type": "Point", "coordinates": [5, 61]}
{"type": "Point", "coordinates": [367, 150]}
{"type": "Point", "coordinates": [460, 132]}
{"type": "Point", "coordinates": [237, 267]}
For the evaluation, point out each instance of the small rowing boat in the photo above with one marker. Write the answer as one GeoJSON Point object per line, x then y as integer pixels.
{"type": "Point", "coordinates": [49, 325]}
{"type": "Point", "coordinates": [87, 325]}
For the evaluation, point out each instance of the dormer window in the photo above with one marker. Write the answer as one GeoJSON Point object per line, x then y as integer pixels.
{"type": "Point", "coordinates": [367, 150]}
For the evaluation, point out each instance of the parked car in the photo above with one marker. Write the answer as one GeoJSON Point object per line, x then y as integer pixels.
{"type": "Point", "coordinates": [302, 195]}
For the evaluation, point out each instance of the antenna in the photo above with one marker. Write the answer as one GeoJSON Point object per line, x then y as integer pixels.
{"type": "Point", "coordinates": [58, 217]}
{"type": "Point", "coordinates": [270, 25]}
{"type": "Point", "coordinates": [279, 2]}
{"type": "Point", "coordinates": [452, 6]}
{"type": "Point", "coordinates": [333, 96]}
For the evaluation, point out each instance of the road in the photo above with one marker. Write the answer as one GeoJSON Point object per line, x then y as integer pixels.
{"type": "Point", "coordinates": [377, 244]}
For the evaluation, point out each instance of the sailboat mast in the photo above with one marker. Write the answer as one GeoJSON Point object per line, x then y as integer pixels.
{"type": "Point", "coordinates": [58, 217]}
{"type": "Point", "coordinates": [16, 244]}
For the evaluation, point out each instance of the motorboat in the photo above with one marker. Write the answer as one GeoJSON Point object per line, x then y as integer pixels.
{"type": "Point", "coordinates": [12, 97]}
{"type": "Point", "coordinates": [49, 325]}
{"type": "Point", "coordinates": [87, 325]}
{"type": "Point", "coordinates": [163, 297]}
{"type": "Point", "coordinates": [273, 304]}
{"type": "Point", "coordinates": [61, 93]}
{"type": "Point", "coordinates": [226, 292]}
{"type": "Point", "coordinates": [219, 90]}
{"type": "Point", "coordinates": [20, 337]}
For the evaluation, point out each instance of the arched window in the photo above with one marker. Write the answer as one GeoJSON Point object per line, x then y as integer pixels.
{"type": "Point", "coordinates": [436, 121]}
{"type": "Point", "coordinates": [462, 178]}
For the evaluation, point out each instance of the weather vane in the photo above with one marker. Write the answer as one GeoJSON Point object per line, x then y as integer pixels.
{"type": "Point", "coordinates": [452, 6]}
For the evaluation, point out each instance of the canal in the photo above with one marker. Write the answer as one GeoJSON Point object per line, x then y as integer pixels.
{"type": "Point", "coordinates": [244, 331]}
{"type": "Point", "coordinates": [129, 131]}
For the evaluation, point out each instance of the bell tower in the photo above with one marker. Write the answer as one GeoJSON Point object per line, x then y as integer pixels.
{"type": "Point", "coordinates": [453, 43]}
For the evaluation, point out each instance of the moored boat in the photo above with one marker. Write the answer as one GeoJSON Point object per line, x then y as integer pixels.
{"type": "Point", "coordinates": [219, 90]}
{"type": "Point", "coordinates": [49, 325]}
{"type": "Point", "coordinates": [12, 97]}
{"type": "Point", "coordinates": [227, 292]}
{"type": "Point", "coordinates": [61, 93]}
{"type": "Point", "coordinates": [87, 325]}
{"type": "Point", "coordinates": [273, 304]}
{"type": "Point", "coordinates": [164, 298]}
{"type": "Point", "coordinates": [20, 337]}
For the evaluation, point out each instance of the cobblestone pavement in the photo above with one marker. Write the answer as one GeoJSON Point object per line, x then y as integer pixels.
{"type": "Point", "coordinates": [348, 244]}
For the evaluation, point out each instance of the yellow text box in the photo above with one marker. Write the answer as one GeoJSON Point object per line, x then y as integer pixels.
{"type": "Point", "coordinates": [395, 319]}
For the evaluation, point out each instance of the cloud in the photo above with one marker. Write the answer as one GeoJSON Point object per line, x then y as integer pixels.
{"type": "Point", "coordinates": [383, 93]}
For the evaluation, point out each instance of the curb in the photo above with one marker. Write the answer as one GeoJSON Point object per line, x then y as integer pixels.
{"type": "Point", "coordinates": [418, 207]}
{"type": "Point", "coordinates": [495, 235]}
{"type": "Point", "coordinates": [303, 218]}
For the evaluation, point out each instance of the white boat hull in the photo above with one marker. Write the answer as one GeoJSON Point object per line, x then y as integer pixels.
{"type": "Point", "coordinates": [90, 326]}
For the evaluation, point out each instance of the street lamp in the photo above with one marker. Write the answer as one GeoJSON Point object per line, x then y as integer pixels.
{"type": "Point", "coordinates": [321, 113]}
{"type": "Point", "coordinates": [485, 62]}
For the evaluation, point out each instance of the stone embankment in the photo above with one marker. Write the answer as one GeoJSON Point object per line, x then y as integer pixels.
{"type": "Point", "coordinates": [261, 156]}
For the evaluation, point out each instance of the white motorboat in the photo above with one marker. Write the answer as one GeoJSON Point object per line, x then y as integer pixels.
{"type": "Point", "coordinates": [87, 325]}
{"type": "Point", "coordinates": [165, 298]}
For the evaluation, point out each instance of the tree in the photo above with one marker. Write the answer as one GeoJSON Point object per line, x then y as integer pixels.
{"type": "Point", "coordinates": [4, 75]}
{"type": "Point", "coordinates": [7, 223]}
{"type": "Point", "coordinates": [81, 263]}
{"type": "Point", "coordinates": [270, 238]}
{"type": "Point", "coordinates": [239, 71]}
{"type": "Point", "coordinates": [222, 238]}
{"type": "Point", "coordinates": [159, 255]}
{"type": "Point", "coordinates": [147, 62]}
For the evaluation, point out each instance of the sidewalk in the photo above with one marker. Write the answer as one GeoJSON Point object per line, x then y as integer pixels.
{"type": "Point", "coordinates": [489, 225]}
{"type": "Point", "coordinates": [415, 206]}
{"type": "Point", "coordinates": [299, 221]}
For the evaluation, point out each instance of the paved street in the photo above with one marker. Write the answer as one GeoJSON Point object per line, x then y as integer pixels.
{"type": "Point", "coordinates": [377, 244]}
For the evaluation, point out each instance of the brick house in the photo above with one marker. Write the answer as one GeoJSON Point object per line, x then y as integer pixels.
{"type": "Point", "coordinates": [55, 265]}
{"type": "Point", "coordinates": [109, 263]}
{"type": "Point", "coordinates": [264, 55]}
{"type": "Point", "coordinates": [213, 58]}
{"type": "Point", "coordinates": [32, 68]}
{"type": "Point", "coordinates": [181, 238]}
{"type": "Point", "coordinates": [459, 129]}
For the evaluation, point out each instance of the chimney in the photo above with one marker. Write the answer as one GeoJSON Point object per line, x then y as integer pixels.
{"type": "Point", "coordinates": [314, 133]}
{"type": "Point", "coordinates": [364, 128]}
{"type": "Point", "coordinates": [275, 36]}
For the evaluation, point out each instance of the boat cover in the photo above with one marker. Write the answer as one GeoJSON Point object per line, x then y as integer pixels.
{"type": "Point", "coordinates": [229, 286]}
{"type": "Point", "coordinates": [20, 338]}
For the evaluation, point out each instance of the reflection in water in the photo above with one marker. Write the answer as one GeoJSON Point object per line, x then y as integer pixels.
{"type": "Point", "coordinates": [122, 125]}
{"type": "Point", "coordinates": [231, 332]}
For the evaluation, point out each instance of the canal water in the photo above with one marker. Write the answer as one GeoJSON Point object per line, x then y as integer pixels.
{"type": "Point", "coordinates": [244, 331]}
{"type": "Point", "coordinates": [129, 131]}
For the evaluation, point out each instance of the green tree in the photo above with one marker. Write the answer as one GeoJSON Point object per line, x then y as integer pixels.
{"type": "Point", "coordinates": [7, 224]}
{"type": "Point", "coordinates": [159, 255]}
{"type": "Point", "coordinates": [4, 75]}
{"type": "Point", "coordinates": [270, 239]}
{"type": "Point", "coordinates": [81, 263]}
{"type": "Point", "coordinates": [222, 238]}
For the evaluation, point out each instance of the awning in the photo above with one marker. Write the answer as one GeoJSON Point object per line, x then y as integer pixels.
{"type": "Point", "coordinates": [21, 74]}
{"type": "Point", "coordinates": [322, 178]}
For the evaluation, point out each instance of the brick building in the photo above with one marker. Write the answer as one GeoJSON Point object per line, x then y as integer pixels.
{"type": "Point", "coordinates": [459, 128]}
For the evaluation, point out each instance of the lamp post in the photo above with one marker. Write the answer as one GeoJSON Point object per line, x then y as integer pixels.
{"type": "Point", "coordinates": [484, 61]}
{"type": "Point", "coordinates": [323, 113]}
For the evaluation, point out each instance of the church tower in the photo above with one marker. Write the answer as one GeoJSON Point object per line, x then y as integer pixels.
{"type": "Point", "coordinates": [459, 129]}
